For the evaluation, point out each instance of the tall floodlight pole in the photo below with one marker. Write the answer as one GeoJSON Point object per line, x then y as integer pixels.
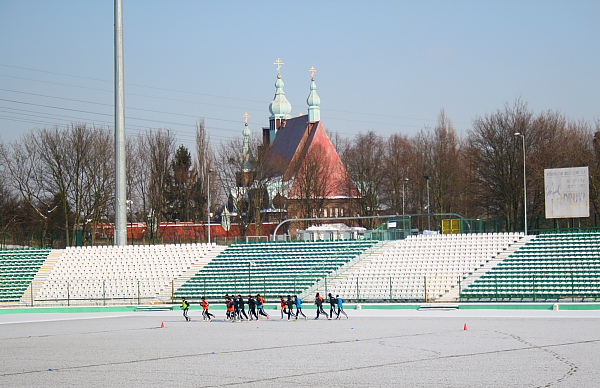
{"type": "Point", "coordinates": [427, 178]}
{"type": "Point", "coordinates": [404, 182]}
{"type": "Point", "coordinates": [120, 237]}
{"type": "Point", "coordinates": [524, 182]}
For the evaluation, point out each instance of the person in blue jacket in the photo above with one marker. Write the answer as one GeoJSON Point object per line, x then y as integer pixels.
{"type": "Point", "coordinates": [340, 306]}
{"type": "Point", "coordinates": [298, 303]}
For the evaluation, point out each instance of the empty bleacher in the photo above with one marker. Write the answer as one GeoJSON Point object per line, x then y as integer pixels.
{"type": "Point", "coordinates": [422, 267]}
{"type": "Point", "coordinates": [552, 266]}
{"type": "Point", "coordinates": [271, 269]}
{"type": "Point", "coordinates": [131, 273]}
{"type": "Point", "coordinates": [17, 269]}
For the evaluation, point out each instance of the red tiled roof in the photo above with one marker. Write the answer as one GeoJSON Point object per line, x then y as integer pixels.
{"type": "Point", "coordinates": [294, 142]}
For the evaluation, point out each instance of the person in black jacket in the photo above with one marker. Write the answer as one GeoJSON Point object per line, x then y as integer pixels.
{"type": "Point", "coordinates": [333, 305]}
{"type": "Point", "coordinates": [290, 305]}
{"type": "Point", "coordinates": [252, 307]}
{"type": "Point", "coordinates": [241, 310]}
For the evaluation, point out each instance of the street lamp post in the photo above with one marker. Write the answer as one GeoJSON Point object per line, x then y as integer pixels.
{"type": "Point", "coordinates": [404, 181]}
{"type": "Point", "coordinates": [251, 264]}
{"type": "Point", "coordinates": [427, 178]}
{"type": "Point", "coordinates": [129, 204]}
{"type": "Point", "coordinates": [524, 182]}
{"type": "Point", "coordinates": [208, 202]}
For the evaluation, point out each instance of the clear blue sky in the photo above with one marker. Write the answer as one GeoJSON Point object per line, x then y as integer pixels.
{"type": "Point", "coordinates": [386, 66]}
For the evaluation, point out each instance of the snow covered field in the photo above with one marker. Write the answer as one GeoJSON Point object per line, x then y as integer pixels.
{"type": "Point", "coordinates": [386, 348]}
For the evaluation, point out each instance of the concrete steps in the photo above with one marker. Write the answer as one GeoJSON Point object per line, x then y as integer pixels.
{"type": "Point", "coordinates": [453, 295]}
{"type": "Point", "coordinates": [165, 296]}
{"type": "Point", "coordinates": [347, 269]}
{"type": "Point", "coordinates": [42, 275]}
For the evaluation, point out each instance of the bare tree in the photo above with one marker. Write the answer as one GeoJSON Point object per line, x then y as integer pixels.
{"type": "Point", "coordinates": [594, 163]}
{"type": "Point", "coordinates": [311, 184]}
{"type": "Point", "coordinates": [364, 160]}
{"type": "Point", "coordinates": [61, 161]}
{"type": "Point", "coordinates": [204, 167]}
{"type": "Point", "coordinates": [495, 155]}
{"type": "Point", "coordinates": [231, 166]}
{"type": "Point", "coordinates": [438, 153]}
{"type": "Point", "coordinates": [399, 174]}
{"type": "Point", "coordinates": [98, 180]}
{"type": "Point", "coordinates": [159, 146]}
{"type": "Point", "coordinates": [554, 143]}
{"type": "Point", "coordinates": [22, 163]}
{"type": "Point", "coordinates": [9, 205]}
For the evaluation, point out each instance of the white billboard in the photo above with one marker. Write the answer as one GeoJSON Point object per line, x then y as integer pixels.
{"type": "Point", "coordinates": [567, 192]}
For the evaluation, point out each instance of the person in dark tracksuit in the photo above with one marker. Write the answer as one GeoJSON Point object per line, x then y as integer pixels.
{"type": "Point", "coordinates": [185, 305]}
{"type": "Point", "coordinates": [241, 309]}
{"type": "Point", "coordinates": [236, 308]}
{"type": "Point", "coordinates": [252, 307]}
{"type": "Point", "coordinates": [290, 305]}
{"type": "Point", "coordinates": [319, 302]}
{"type": "Point", "coordinates": [332, 305]}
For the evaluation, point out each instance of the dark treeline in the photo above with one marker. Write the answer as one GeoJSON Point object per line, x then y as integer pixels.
{"type": "Point", "coordinates": [56, 182]}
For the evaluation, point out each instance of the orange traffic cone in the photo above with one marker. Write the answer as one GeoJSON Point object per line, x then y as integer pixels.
{"type": "Point", "coordinates": [162, 325]}
{"type": "Point", "coordinates": [465, 328]}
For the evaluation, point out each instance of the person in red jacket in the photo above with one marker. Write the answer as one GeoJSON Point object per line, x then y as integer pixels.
{"type": "Point", "coordinates": [230, 313]}
{"type": "Point", "coordinates": [283, 306]}
{"type": "Point", "coordinates": [207, 316]}
{"type": "Point", "coordinates": [260, 303]}
{"type": "Point", "coordinates": [319, 302]}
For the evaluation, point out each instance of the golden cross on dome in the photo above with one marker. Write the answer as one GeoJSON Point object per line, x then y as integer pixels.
{"type": "Point", "coordinates": [246, 116]}
{"type": "Point", "coordinates": [312, 72]}
{"type": "Point", "coordinates": [278, 63]}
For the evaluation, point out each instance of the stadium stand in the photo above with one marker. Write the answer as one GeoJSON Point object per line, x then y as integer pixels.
{"type": "Point", "coordinates": [483, 267]}
{"type": "Point", "coordinates": [131, 273]}
{"type": "Point", "coordinates": [271, 269]}
{"type": "Point", "coordinates": [552, 266]}
{"type": "Point", "coordinates": [423, 267]}
{"type": "Point", "coordinates": [17, 269]}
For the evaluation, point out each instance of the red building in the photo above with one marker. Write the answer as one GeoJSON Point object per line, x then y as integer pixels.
{"type": "Point", "coordinates": [309, 173]}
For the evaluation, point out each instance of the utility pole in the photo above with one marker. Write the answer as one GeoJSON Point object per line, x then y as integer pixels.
{"type": "Point", "coordinates": [524, 182]}
{"type": "Point", "coordinates": [427, 178]}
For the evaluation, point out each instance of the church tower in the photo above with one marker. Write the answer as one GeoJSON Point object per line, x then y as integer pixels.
{"type": "Point", "coordinates": [245, 177]}
{"type": "Point", "coordinates": [280, 109]}
{"type": "Point", "coordinates": [313, 100]}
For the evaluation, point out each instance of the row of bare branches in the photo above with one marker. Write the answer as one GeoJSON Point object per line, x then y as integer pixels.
{"type": "Point", "coordinates": [63, 179]}
{"type": "Point", "coordinates": [479, 174]}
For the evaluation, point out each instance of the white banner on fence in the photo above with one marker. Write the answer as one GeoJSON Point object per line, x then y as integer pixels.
{"type": "Point", "coordinates": [567, 192]}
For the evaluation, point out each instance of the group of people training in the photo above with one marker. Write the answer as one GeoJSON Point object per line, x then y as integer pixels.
{"type": "Point", "coordinates": [236, 309]}
{"type": "Point", "coordinates": [336, 306]}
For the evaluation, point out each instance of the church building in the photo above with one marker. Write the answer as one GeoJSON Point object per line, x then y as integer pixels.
{"type": "Point", "coordinates": [305, 176]}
